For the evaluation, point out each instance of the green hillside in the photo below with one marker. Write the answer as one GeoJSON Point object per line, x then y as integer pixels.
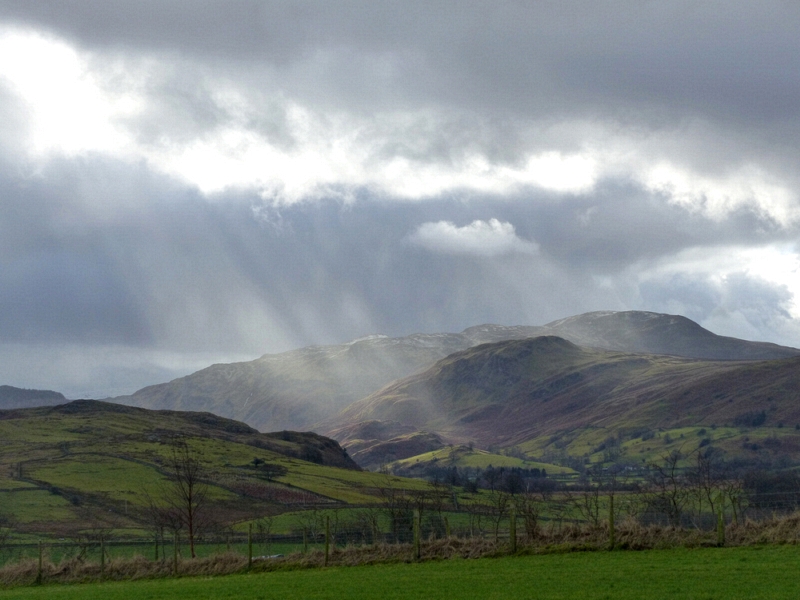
{"type": "Point", "coordinates": [91, 464]}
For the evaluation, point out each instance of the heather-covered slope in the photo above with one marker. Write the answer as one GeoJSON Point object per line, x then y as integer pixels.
{"type": "Point", "coordinates": [510, 393]}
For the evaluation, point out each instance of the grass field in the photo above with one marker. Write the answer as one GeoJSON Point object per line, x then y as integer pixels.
{"type": "Point", "coordinates": [711, 573]}
{"type": "Point", "coordinates": [462, 457]}
{"type": "Point", "coordinates": [66, 470]}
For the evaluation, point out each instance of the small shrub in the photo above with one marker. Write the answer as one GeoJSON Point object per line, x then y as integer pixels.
{"type": "Point", "coordinates": [750, 419]}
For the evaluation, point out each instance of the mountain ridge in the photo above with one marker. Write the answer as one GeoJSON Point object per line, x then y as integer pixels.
{"type": "Point", "coordinates": [531, 393]}
{"type": "Point", "coordinates": [303, 387]}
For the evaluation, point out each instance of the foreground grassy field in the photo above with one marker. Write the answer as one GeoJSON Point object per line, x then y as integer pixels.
{"type": "Point", "coordinates": [711, 573]}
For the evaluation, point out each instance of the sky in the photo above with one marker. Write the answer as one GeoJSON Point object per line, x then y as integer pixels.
{"type": "Point", "coordinates": [191, 182]}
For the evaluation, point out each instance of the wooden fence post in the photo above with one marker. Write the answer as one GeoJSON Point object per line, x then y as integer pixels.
{"type": "Point", "coordinates": [720, 528]}
{"type": "Point", "coordinates": [611, 529]}
{"type": "Point", "coordinates": [417, 552]}
{"type": "Point", "coordinates": [327, 537]}
{"type": "Point", "coordinates": [39, 571]}
{"type": "Point", "coordinates": [512, 529]}
{"type": "Point", "coordinates": [175, 554]}
{"type": "Point", "coordinates": [102, 557]}
{"type": "Point", "coordinates": [446, 527]}
{"type": "Point", "coordinates": [249, 546]}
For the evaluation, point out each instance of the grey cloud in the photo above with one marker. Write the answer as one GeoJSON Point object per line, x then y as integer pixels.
{"type": "Point", "coordinates": [101, 251]}
{"type": "Point", "coordinates": [518, 56]}
{"type": "Point", "coordinates": [620, 225]}
{"type": "Point", "coordinates": [739, 304]}
{"type": "Point", "coordinates": [761, 302]}
{"type": "Point", "coordinates": [177, 273]}
{"type": "Point", "coordinates": [149, 262]}
{"type": "Point", "coordinates": [180, 107]}
{"type": "Point", "coordinates": [709, 86]}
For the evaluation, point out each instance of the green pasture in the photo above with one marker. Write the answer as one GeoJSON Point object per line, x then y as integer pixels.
{"type": "Point", "coordinates": [475, 458]}
{"type": "Point", "coordinates": [349, 519]}
{"type": "Point", "coordinates": [631, 447]}
{"type": "Point", "coordinates": [8, 484]}
{"type": "Point", "coordinates": [95, 474]}
{"type": "Point", "coordinates": [117, 459]}
{"type": "Point", "coordinates": [708, 574]}
{"type": "Point", "coordinates": [31, 505]}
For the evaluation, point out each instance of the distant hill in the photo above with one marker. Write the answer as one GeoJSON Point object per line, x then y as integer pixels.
{"type": "Point", "coordinates": [12, 397]}
{"type": "Point", "coordinates": [297, 389]}
{"type": "Point", "coordinates": [545, 393]}
{"type": "Point", "coordinates": [654, 333]}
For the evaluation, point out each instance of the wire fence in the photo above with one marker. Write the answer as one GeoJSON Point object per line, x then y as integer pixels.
{"type": "Point", "coordinates": [593, 516]}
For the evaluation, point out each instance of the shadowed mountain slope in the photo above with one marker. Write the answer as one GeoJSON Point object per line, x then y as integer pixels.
{"type": "Point", "coordinates": [508, 393]}
{"type": "Point", "coordinates": [296, 389]}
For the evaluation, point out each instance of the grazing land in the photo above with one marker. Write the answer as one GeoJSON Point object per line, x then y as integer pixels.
{"type": "Point", "coordinates": [92, 466]}
{"type": "Point", "coordinates": [710, 573]}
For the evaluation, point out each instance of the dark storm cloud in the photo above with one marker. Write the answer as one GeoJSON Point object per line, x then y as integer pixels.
{"type": "Point", "coordinates": [657, 52]}
{"type": "Point", "coordinates": [733, 57]}
{"type": "Point", "coordinates": [619, 225]}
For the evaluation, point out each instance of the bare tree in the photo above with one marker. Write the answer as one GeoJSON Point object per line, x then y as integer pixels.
{"type": "Point", "coordinates": [668, 491]}
{"type": "Point", "coordinates": [7, 526]}
{"type": "Point", "coordinates": [492, 477]}
{"type": "Point", "coordinates": [263, 530]}
{"type": "Point", "coordinates": [186, 491]}
{"type": "Point", "coordinates": [588, 504]}
{"type": "Point", "coordinates": [733, 493]}
{"type": "Point", "coordinates": [706, 483]}
{"type": "Point", "coordinates": [528, 507]}
{"type": "Point", "coordinates": [499, 506]}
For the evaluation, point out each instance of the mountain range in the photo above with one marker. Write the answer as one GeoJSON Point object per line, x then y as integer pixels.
{"type": "Point", "coordinates": [572, 388]}
{"type": "Point", "coordinates": [541, 394]}
{"type": "Point", "coordinates": [301, 388]}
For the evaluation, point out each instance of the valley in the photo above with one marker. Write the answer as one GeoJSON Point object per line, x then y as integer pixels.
{"type": "Point", "coordinates": [562, 401]}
